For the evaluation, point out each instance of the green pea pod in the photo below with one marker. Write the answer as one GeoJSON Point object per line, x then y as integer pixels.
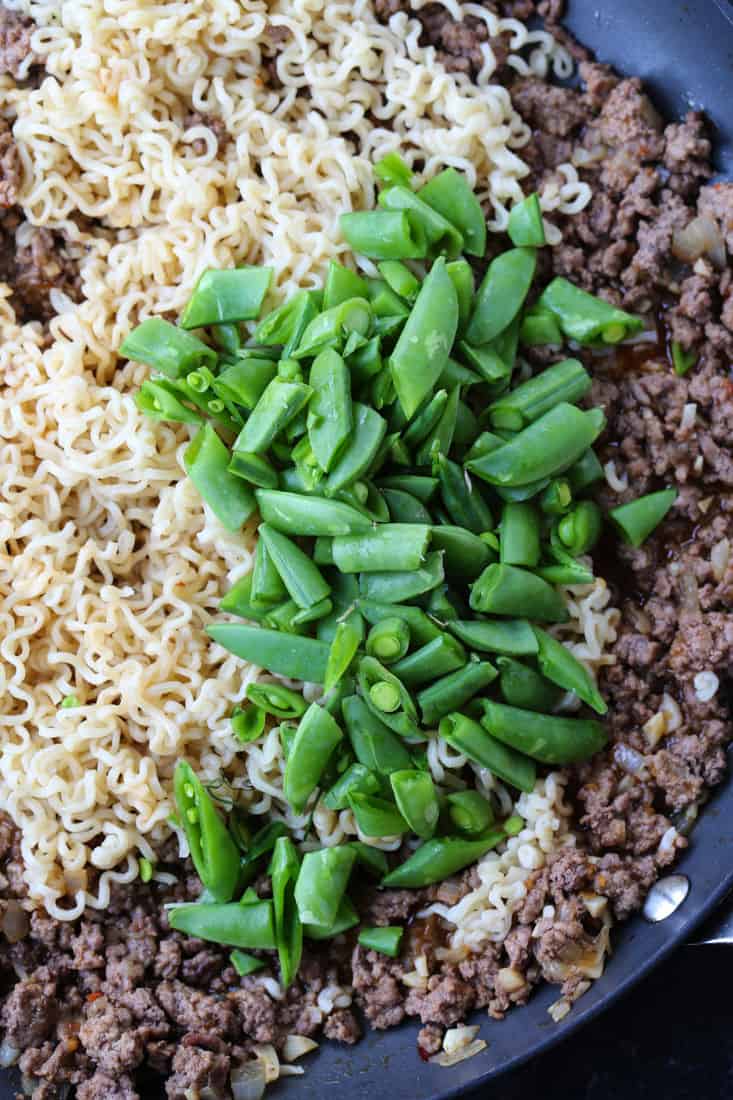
{"type": "Point", "coordinates": [442, 236]}
{"type": "Point", "coordinates": [440, 439]}
{"type": "Point", "coordinates": [280, 402]}
{"type": "Point", "coordinates": [346, 641]}
{"type": "Point", "coordinates": [359, 454]}
{"type": "Point", "coordinates": [297, 515]}
{"type": "Point", "coordinates": [283, 870]}
{"type": "Point", "coordinates": [539, 327]}
{"type": "Point", "coordinates": [206, 460]}
{"type": "Point", "coordinates": [470, 738]}
{"type": "Point", "coordinates": [161, 402]}
{"type": "Point", "coordinates": [375, 745]}
{"type": "Point", "coordinates": [461, 275]}
{"type": "Point", "coordinates": [346, 917]}
{"type": "Point", "coordinates": [400, 279]}
{"type": "Point", "coordinates": [463, 502]}
{"type": "Point", "coordinates": [514, 638]}
{"type": "Point", "coordinates": [451, 195]}
{"type": "Point", "coordinates": [416, 798]}
{"type": "Point", "coordinates": [331, 328]}
{"type": "Point", "coordinates": [253, 468]}
{"type": "Point", "coordinates": [424, 345]}
{"type": "Point", "coordinates": [385, 939]}
{"type": "Point", "coordinates": [371, 859]}
{"type": "Point", "coordinates": [545, 448]}
{"type": "Point", "coordinates": [509, 590]}
{"type": "Point", "coordinates": [585, 318]}
{"type": "Point", "coordinates": [248, 723]}
{"type": "Point", "coordinates": [245, 964]}
{"type": "Point", "coordinates": [453, 691]}
{"type": "Point", "coordinates": [260, 845]}
{"type": "Point", "coordinates": [439, 657]}
{"type": "Point", "coordinates": [585, 472]}
{"type": "Point", "coordinates": [267, 588]}
{"type": "Point", "coordinates": [522, 686]}
{"type": "Point", "coordinates": [318, 735]}
{"type": "Point", "coordinates": [501, 294]}
{"type": "Point", "coordinates": [425, 420]}
{"type": "Point", "coordinates": [303, 580]}
{"type": "Point", "coordinates": [440, 858]}
{"type": "Point", "coordinates": [557, 497]}
{"type": "Point", "coordinates": [559, 665]}
{"type": "Point", "coordinates": [469, 812]}
{"type": "Point", "coordinates": [637, 519]}
{"type": "Point", "coordinates": [422, 628]}
{"type": "Point", "coordinates": [329, 410]}
{"type": "Point", "coordinates": [341, 284]}
{"type": "Point", "coordinates": [214, 853]}
{"type": "Point", "coordinates": [388, 640]}
{"type": "Point", "coordinates": [580, 529]}
{"type": "Point", "coordinates": [233, 924]}
{"type": "Point", "coordinates": [322, 882]}
{"type": "Point", "coordinates": [286, 324]}
{"type": "Point", "coordinates": [464, 553]}
{"type": "Point", "coordinates": [389, 547]}
{"type": "Point", "coordinates": [355, 778]}
{"type": "Point", "coordinates": [566, 381]}
{"type": "Point", "coordinates": [418, 486]}
{"type": "Point", "coordinates": [519, 534]}
{"type": "Point", "coordinates": [399, 587]}
{"type": "Point", "coordinates": [404, 508]}
{"type": "Point", "coordinates": [551, 739]}
{"type": "Point", "coordinates": [384, 301]}
{"type": "Point", "coordinates": [525, 226]}
{"type": "Point", "coordinates": [283, 654]}
{"type": "Point", "coordinates": [376, 816]}
{"type": "Point", "coordinates": [387, 698]}
{"type": "Point", "coordinates": [235, 294]}
{"type": "Point", "coordinates": [276, 699]}
{"type": "Point", "coordinates": [166, 348]}
{"type": "Point", "coordinates": [384, 235]}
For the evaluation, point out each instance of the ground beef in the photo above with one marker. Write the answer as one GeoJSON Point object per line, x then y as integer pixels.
{"type": "Point", "coordinates": [16, 53]}
{"type": "Point", "coordinates": [342, 1026]}
{"type": "Point", "coordinates": [211, 122]}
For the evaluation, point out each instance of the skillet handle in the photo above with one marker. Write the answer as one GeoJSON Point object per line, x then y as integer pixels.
{"type": "Point", "coordinates": [717, 929]}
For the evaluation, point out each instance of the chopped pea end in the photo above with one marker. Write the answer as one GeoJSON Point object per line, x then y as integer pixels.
{"type": "Point", "coordinates": [146, 869]}
{"type": "Point", "coordinates": [386, 697]}
{"type": "Point", "coordinates": [69, 702]}
{"type": "Point", "coordinates": [513, 825]}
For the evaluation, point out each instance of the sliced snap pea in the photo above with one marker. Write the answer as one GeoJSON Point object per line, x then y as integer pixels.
{"type": "Point", "coordinates": [539, 327]}
{"type": "Point", "coordinates": [399, 587]}
{"type": "Point", "coordinates": [580, 528]}
{"type": "Point", "coordinates": [276, 699]}
{"type": "Point", "coordinates": [440, 858]}
{"type": "Point", "coordinates": [317, 736]}
{"type": "Point", "coordinates": [393, 547]}
{"type": "Point", "coordinates": [238, 601]}
{"type": "Point", "coordinates": [376, 816]}
{"type": "Point", "coordinates": [286, 324]}
{"type": "Point", "coordinates": [164, 347]}
{"type": "Point", "coordinates": [232, 924]}
{"type": "Point", "coordinates": [384, 235]}
{"type": "Point", "coordinates": [297, 515]}
{"type": "Point", "coordinates": [369, 429]}
{"type": "Point", "coordinates": [451, 195]}
{"type": "Point", "coordinates": [253, 468]}
{"type": "Point", "coordinates": [288, 655]}
{"type": "Point", "coordinates": [329, 410]}
{"type": "Point", "coordinates": [341, 284]}
{"type": "Point", "coordinates": [303, 580]}
{"type": "Point", "coordinates": [585, 472]}
{"type": "Point", "coordinates": [453, 691]}
{"type": "Point", "coordinates": [558, 664]}
{"type": "Point", "coordinates": [417, 485]}
{"type": "Point", "coordinates": [424, 420]}
{"type": "Point", "coordinates": [637, 519]}
{"type": "Point", "coordinates": [514, 638]}
{"type": "Point", "coordinates": [463, 501]}
{"type": "Point", "coordinates": [206, 460]}
{"type": "Point", "coordinates": [461, 274]}
{"type": "Point", "coordinates": [248, 723]}
{"type": "Point", "coordinates": [404, 508]}
{"type": "Point", "coordinates": [385, 940]}
{"type": "Point", "coordinates": [283, 870]}
{"type": "Point", "coordinates": [388, 640]}
{"type": "Point", "coordinates": [331, 328]}
{"type": "Point", "coordinates": [213, 851]}
{"type": "Point", "coordinates": [424, 345]}
{"type": "Point", "coordinates": [346, 641]}
{"type": "Point", "coordinates": [464, 554]}
{"type": "Point", "coordinates": [519, 542]}
{"type": "Point", "coordinates": [384, 301]}
{"type": "Point", "coordinates": [551, 739]}
{"type": "Point", "coordinates": [401, 280]}
{"type": "Point", "coordinates": [557, 497]}
{"type": "Point", "coordinates": [441, 235]}
{"type": "Point", "coordinates": [267, 589]}
{"type": "Point", "coordinates": [470, 738]}
{"type": "Point", "coordinates": [355, 778]}
{"type": "Point", "coordinates": [439, 657]}
{"type": "Point", "coordinates": [276, 408]}
{"type": "Point", "coordinates": [522, 686]}
{"type": "Point", "coordinates": [525, 226]}
{"type": "Point", "coordinates": [391, 169]}
{"type": "Point", "coordinates": [346, 917]}
{"type": "Point", "coordinates": [387, 698]}
{"type": "Point", "coordinates": [422, 627]}
{"type": "Point", "coordinates": [375, 745]}
{"type": "Point", "coordinates": [440, 439]}
{"type": "Point", "coordinates": [469, 812]}
{"type": "Point", "coordinates": [546, 447]}
{"type": "Point", "coordinates": [235, 294]}
{"type": "Point", "coordinates": [501, 294]}
{"type": "Point", "coordinates": [372, 859]}
{"type": "Point", "coordinates": [565, 381]}
{"type": "Point", "coordinates": [322, 882]}
{"type": "Point", "coordinates": [245, 964]}
{"type": "Point", "coordinates": [416, 798]}
{"type": "Point", "coordinates": [160, 401]}
{"type": "Point", "coordinates": [509, 590]}
{"type": "Point", "coordinates": [584, 318]}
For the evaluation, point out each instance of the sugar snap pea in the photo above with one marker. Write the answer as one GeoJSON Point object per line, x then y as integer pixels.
{"type": "Point", "coordinates": [453, 691]}
{"type": "Point", "coordinates": [470, 738]}
{"type": "Point", "coordinates": [317, 736]}
{"type": "Point", "coordinates": [551, 739]}
{"type": "Point", "coordinates": [232, 924]}
{"type": "Point", "coordinates": [213, 851]}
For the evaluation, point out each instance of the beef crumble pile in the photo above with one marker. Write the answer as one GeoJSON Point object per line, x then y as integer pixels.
{"type": "Point", "coordinates": [113, 1001]}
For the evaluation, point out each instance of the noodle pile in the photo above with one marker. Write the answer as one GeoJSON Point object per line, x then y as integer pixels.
{"type": "Point", "coordinates": [109, 566]}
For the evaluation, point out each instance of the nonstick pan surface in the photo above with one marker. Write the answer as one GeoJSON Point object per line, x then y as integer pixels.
{"type": "Point", "coordinates": [683, 50]}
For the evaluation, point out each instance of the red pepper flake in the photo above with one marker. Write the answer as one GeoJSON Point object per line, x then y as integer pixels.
{"type": "Point", "coordinates": [94, 996]}
{"type": "Point", "coordinates": [423, 1054]}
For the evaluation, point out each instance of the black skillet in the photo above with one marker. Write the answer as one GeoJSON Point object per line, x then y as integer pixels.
{"type": "Point", "coordinates": [683, 50]}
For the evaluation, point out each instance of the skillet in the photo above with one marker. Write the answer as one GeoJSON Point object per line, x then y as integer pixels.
{"type": "Point", "coordinates": [683, 50]}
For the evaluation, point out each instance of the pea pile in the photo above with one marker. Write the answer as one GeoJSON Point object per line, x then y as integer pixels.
{"type": "Point", "coordinates": [422, 495]}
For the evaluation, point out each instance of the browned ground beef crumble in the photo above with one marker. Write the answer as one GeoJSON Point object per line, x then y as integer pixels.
{"type": "Point", "coordinates": [106, 1003]}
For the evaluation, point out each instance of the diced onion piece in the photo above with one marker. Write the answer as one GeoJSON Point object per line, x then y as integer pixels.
{"type": "Point", "coordinates": [706, 685]}
{"type": "Point", "coordinates": [672, 713]}
{"type": "Point", "coordinates": [267, 1055]}
{"type": "Point", "coordinates": [510, 980]}
{"type": "Point", "coordinates": [595, 904]}
{"type": "Point", "coordinates": [456, 1038]}
{"type": "Point", "coordinates": [702, 237]}
{"type": "Point", "coordinates": [719, 558]}
{"type": "Point", "coordinates": [15, 924]}
{"type": "Point", "coordinates": [655, 728]}
{"type": "Point", "coordinates": [295, 1046]}
{"type": "Point", "coordinates": [248, 1081]}
{"type": "Point", "coordinates": [9, 1054]}
{"type": "Point", "coordinates": [444, 1059]}
{"type": "Point", "coordinates": [629, 760]}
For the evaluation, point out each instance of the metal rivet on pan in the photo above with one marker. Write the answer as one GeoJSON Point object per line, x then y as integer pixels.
{"type": "Point", "coordinates": [665, 897]}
